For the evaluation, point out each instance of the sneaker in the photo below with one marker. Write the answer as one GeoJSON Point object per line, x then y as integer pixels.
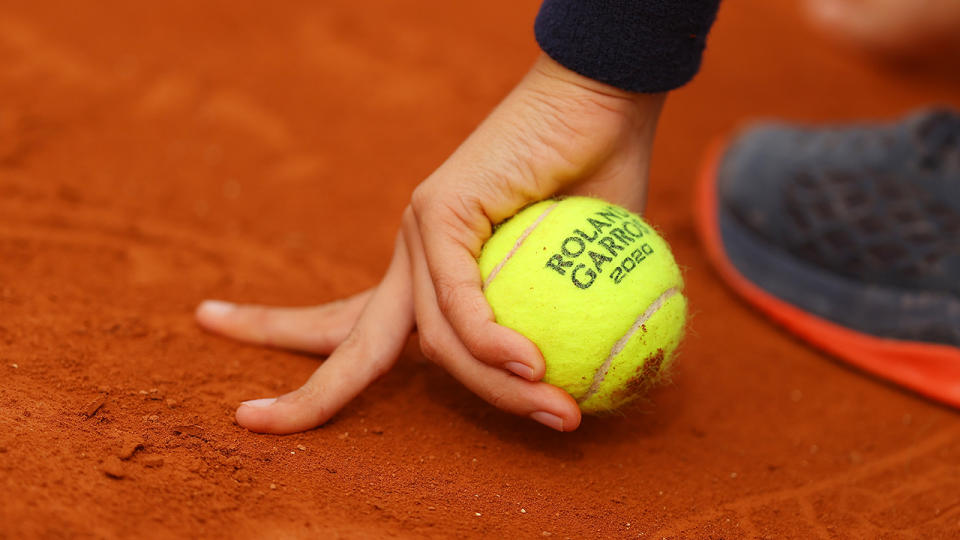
{"type": "Point", "coordinates": [849, 237]}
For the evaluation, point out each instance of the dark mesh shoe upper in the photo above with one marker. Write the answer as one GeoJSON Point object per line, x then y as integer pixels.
{"type": "Point", "coordinates": [878, 204]}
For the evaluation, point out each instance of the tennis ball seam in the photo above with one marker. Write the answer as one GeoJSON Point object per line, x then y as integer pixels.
{"type": "Point", "coordinates": [601, 373]}
{"type": "Point", "coordinates": [516, 246]}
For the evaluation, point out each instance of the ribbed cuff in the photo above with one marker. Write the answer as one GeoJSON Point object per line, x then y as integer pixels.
{"type": "Point", "coordinates": [636, 45]}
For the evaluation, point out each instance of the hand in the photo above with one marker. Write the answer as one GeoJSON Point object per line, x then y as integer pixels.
{"type": "Point", "coordinates": [556, 133]}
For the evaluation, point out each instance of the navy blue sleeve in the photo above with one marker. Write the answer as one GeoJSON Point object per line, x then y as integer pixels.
{"type": "Point", "coordinates": [636, 45]}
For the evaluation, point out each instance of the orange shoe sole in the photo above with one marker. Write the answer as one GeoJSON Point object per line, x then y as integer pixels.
{"type": "Point", "coordinates": [932, 370]}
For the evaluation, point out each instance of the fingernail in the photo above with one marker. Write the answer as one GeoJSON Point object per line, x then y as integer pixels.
{"type": "Point", "coordinates": [217, 307]}
{"type": "Point", "coordinates": [260, 403]}
{"type": "Point", "coordinates": [549, 420]}
{"type": "Point", "coordinates": [522, 370]}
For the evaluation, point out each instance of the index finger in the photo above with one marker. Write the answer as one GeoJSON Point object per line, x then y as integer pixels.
{"type": "Point", "coordinates": [451, 242]}
{"type": "Point", "coordinates": [372, 347]}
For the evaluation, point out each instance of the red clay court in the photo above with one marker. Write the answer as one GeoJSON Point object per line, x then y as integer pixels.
{"type": "Point", "coordinates": [154, 157]}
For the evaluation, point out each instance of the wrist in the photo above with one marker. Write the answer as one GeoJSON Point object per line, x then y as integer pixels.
{"type": "Point", "coordinates": [548, 71]}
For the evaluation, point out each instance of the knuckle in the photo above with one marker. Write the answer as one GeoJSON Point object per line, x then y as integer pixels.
{"type": "Point", "coordinates": [354, 343]}
{"type": "Point", "coordinates": [464, 211]}
{"type": "Point", "coordinates": [318, 411]}
{"type": "Point", "coordinates": [421, 200]}
{"type": "Point", "coordinates": [379, 369]}
{"type": "Point", "coordinates": [459, 210]}
{"type": "Point", "coordinates": [480, 347]}
{"type": "Point", "coordinates": [497, 397]}
{"type": "Point", "coordinates": [261, 325]}
{"type": "Point", "coordinates": [457, 302]}
{"type": "Point", "coordinates": [409, 216]}
{"type": "Point", "coordinates": [309, 395]}
{"type": "Point", "coordinates": [258, 315]}
{"type": "Point", "coordinates": [428, 345]}
{"type": "Point", "coordinates": [447, 294]}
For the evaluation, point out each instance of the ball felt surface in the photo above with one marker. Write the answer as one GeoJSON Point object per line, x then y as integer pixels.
{"type": "Point", "coordinates": [595, 288]}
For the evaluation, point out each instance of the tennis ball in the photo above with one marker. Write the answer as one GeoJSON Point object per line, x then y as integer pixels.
{"type": "Point", "coordinates": [595, 288]}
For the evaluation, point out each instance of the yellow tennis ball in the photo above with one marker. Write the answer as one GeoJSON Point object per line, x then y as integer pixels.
{"type": "Point", "coordinates": [595, 288]}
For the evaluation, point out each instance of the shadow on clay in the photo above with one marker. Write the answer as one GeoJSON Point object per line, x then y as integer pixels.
{"type": "Point", "coordinates": [645, 418]}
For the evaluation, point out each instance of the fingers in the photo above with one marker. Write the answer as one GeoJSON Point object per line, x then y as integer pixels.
{"type": "Point", "coordinates": [371, 349]}
{"type": "Point", "coordinates": [450, 244]}
{"type": "Point", "coordinates": [318, 329]}
{"type": "Point", "coordinates": [542, 402]}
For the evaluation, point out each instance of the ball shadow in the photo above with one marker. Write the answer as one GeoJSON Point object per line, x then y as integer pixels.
{"type": "Point", "coordinates": [647, 417]}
